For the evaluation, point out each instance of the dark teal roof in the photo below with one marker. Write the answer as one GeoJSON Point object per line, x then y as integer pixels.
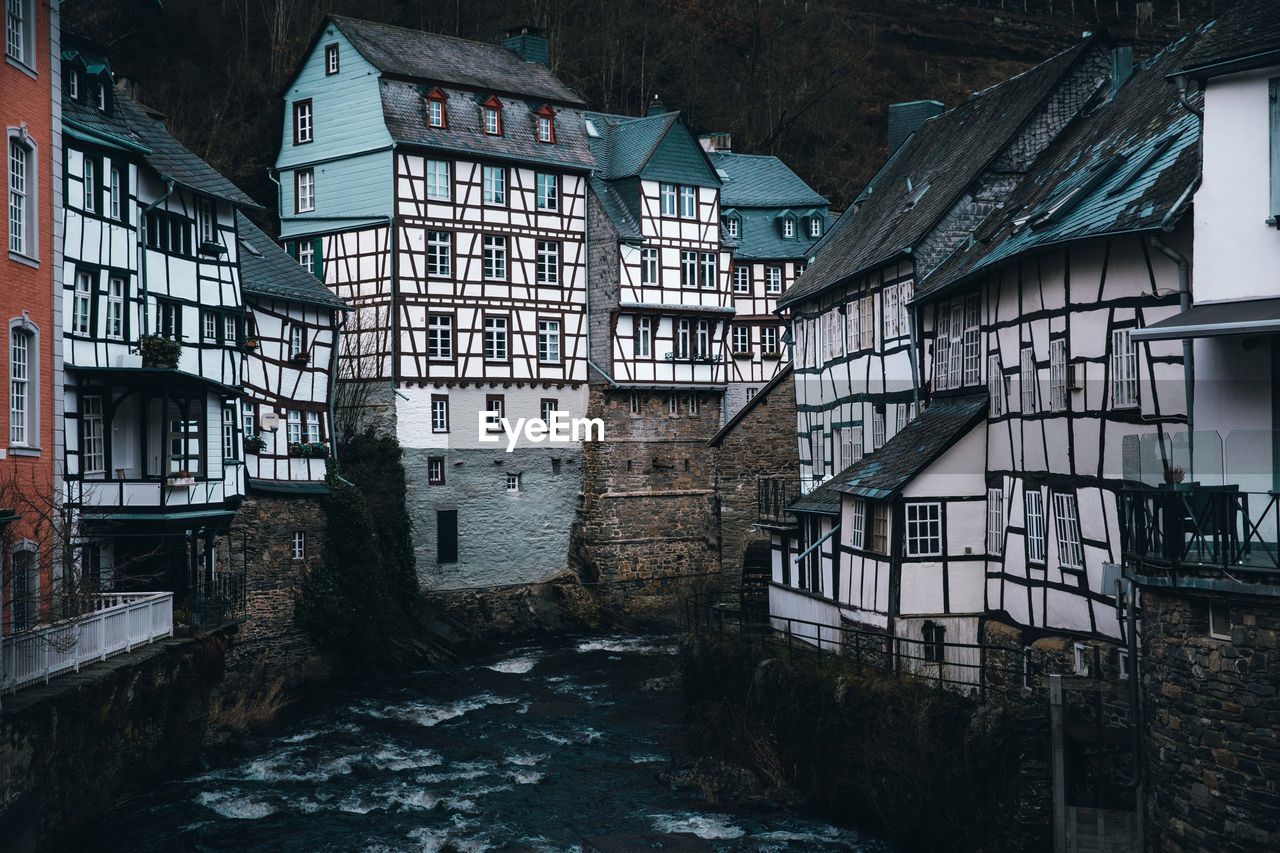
{"type": "Point", "coordinates": [1247, 35]}
{"type": "Point", "coordinates": [761, 180]}
{"type": "Point", "coordinates": [760, 237]}
{"type": "Point", "coordinates": [266, 270]}
{"type": "Point", "coordinates": [657, 148]}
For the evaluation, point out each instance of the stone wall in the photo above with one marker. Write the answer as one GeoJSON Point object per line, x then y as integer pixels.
{"type": "Point", "coordinates": [763, 442]}
{"type": "Point", "coordinates": [1212, 723]}
{"type": "Point", "coordinates": [270, 644]}
{"type": "Point", "coordinates": [70, 750]}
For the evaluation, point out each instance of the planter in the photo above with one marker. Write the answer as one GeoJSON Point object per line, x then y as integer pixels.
{"type": "Point", "coordinates": [295, 449]}
{"type": "Point", "coordinates": [301, 358]}
{"type": "Point", "coordinates": [254, 444]}
{"type": "Point", "coordinates": [315, 450]}
{"type": "Point", "coordinates": [250, 344]}
{"type": "Point", "coordinates": [742, 354]}
{"type": "Point", "coordinates": [180, 482]}
{"type": "Point", "coordinates": [773, 354]}
{"type": "Point", "coordinates": [159, 351]}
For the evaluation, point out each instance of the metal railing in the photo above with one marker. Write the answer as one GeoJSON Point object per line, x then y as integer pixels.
{"type": "Point", "coordinates": [774, 493]}
{"type": "Point", "coordinates": [969, 668]}
{"type": "Point", "coordinates": [1196, 527]}
{"type": "Point", "coordinates": [219, 599]}
{"type": "Point", "coordinates": [118, 623]}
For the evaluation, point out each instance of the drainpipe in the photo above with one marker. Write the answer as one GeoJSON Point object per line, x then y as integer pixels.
{"type": "Point", "coordinates": [271, 173]}
{"type": "Point", "coordinates": [1181, 83]}
{"type": "Point", "coordinates": [911, 341]}
{"type": "Point", "coordinates": [142, 254]}
{"type": "Point", "coordinates": [339, 323]}
{"type": "Point", "coordinates": [1188, 345]}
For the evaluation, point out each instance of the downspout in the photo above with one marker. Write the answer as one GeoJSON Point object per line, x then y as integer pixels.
{"type": "Point", "coordinates": [1188, 344]}
{"type": "Point", "coordinates": [339, 323]}
{"type": "Point", "coordinates": [1181, 83]}
{"type": "Point", "coordinates": [915, 369]}
{"type": "Point", "coordinates": [142, 254]}
{"type": "Point", "coordinates": [271, 173]}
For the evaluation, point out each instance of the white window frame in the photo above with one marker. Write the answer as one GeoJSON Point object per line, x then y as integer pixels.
{"type": "Point", "coordinates": [23, 401]}
{"type": "Point", "coordinates": [116, 196]}
{"type": "Point", "coordinates": [439, 414]}
{"type": "Point", "coordinates": [88, 187]}
{"type": "Point", "coordinates": [815, 227]}
{"type": "Point", "coordinates": [497, 345]}
{"type": "Point", "coordinates": [768, 339]}
{"type": "Point", "coordinates": [331, 61]}
{"type": "Point", "coordinates": [298, 545]}
{"type": "Point", "coordinates": [732, 225]}
{"type": "Point", "coordinates": [440, 337]}
{"type": "Point", "coordinates": [303, 124]}
{"type": "Point", "coordinates": [19, 43]}
{"type": "Point", "coordinates": [293, 426]}
{"type": "Point", "coordinates": [1215, 622]}
{"type": "Point", "coordinates": [545, 130]}
{"type": "Point", "coordinates": [889, 312]}
{"type": "Point", "coordinates": [667, 199]}
{"type": "Point", "coordinates": [435, 470]}
{"type": "Point", "coordinates": [633, 403]}
{"type": "Point", "coordinates": [548, 262]}
{"type": "Point", "coordinates": [857, 523]}
{"type": "Point", "coordinates": [1029, 377]}
{"type": "Point", "coordinates": [741, 338]}
{"type": "Point", "coordinates": [1124, 370]}
{"type": "Point", "coordinates": [306, 191]}
{"type": "Point", "coordinates": [495, 257]}
{"type": "Point", "coordinates": [82, 304]}
{"type": "Point", "coordinates": [229, 432]}
{"type": "Point", "coordinates": [209, 327]}
{"type": "Point", "coordinates": [773, 280]}
{"type": "Point", "coordinates": [23, 196]}
{"type": "Point", "coordinates": [439, 186]}
{"type": "Point", "coordinates": [494, 181]}
{"type": "Point", "coordinates": [1033, 512]}
{"type": "Point", "coordinates": [688, 269]}
{"type": "Point", "coordinates": [877, 428]}
{"type": "Point", "coordinates": [1066, 521]}
{"type": "Point", "coordinates": [817, 456]}
{"type": "Point", "coordinates": [492, 122]}
{"type": "Point", "coordinates": [548, 191]}
{"type": "Point", "coordinates": [549, 341]}
{"type": "Point", "coordinates": [297, 341]}
{"type": "Point", "coordinates": [866, 322]}
{"type": "Point", "coordinates": [924, 528]}
{"type": "Point", "coordinates": [649, 267]}
{"type": "Point", "coordinates": [513, 484]}
{"type": "Point", "coordinates": [683, 338]}
{"type": "Point", "coordinates": [688, 202]}
{"type": "Point", "coordinates": [996, 385]}
{"type": "Point", "coordinates": [709, 271]}
{"type": "Point", "coordinates": [435, 112]}
{"type": "Point", "coordinates": [439, 253]}
{"type": "Point", "coordinates": [311, 428]}
{"type": "Point", "coordinates": [1058, 375]}
{"type": "Point", "coordinates": [644, 337]}
{"type": "Point", "coordinates": [94, 452]}
{"type": "Point", "coordinates": [788, 227]}
{"type": "Point", "coordinates": [972, 340]}
{"type": "Point", "coordinates": [741, 279]}
{"type": "Point", "coordinates": [115, 308]}
{"type": "Point", "coordinates": [307, 256]}
{"type": "Point", "coordinates": [995, 521]}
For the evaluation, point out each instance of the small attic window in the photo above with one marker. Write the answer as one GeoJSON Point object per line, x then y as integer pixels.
{"type": "Point", "coordinates": [435, 109]}
{"type": "Point", "coordinates": [591, 129]}
{"type": "Point", "coordinates": [103, 99]}
{"type": "Point", "coordinates": [73, 84]}
{"type": "Point", "coordinates": [493, 117]}
{"type": "Point", "coordinates": [815, 227]}
{"type": "Point", "coordinates": [788, 227]}
{"type": "Point", "coordinates": [547, 125]}
{"type": "Point", "coordinates": [330, 59]}
{"type": "Point", "coordinates": [732, 225]}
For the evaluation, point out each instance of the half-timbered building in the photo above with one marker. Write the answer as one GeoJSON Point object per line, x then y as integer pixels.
{"type": "Point", "coordinates": [1025, 286]}
{"type": "Point", "coordinates": [774, 220]}
{"type": "Point", "coordinates": [439, 186]}
{"type": "Point", "coordinates": [153, 321]}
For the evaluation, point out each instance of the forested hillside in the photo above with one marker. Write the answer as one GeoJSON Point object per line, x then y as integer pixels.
{"type": "Point", "coordinates": [804, 79]}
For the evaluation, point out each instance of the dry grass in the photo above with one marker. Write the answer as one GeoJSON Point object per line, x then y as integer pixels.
{"type": "Point", "coordinates": [248, 709]}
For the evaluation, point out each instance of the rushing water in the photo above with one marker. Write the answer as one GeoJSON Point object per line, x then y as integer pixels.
{"type": "Point", "coordinates": [534, 750]}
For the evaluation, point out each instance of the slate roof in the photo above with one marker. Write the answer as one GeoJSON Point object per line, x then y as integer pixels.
{"type": "Point", "coordinates": [617, 211]}
{"type": "Point", "coordinates": [625, 143]}
{"type": "Point", "coordinates": [405, 112]}
{"type": "Point", "coordinates": [824, 499]}
{"type": "Point", "coordinates": [1245, 36]}
{"type": "Point", "coordinates": [1130, 162]}
{"type": "Point", "coordinates": [761, 397]}
{"type": "Point", "coordinates": [761, 238]}
{"type": "Point", "coordinates": [887, 471]}
{"type": "Point", "coordinates": [445, 59]}
{"type": "Point", "coordinates": [267, 270]}
{"type": "Point", "coordinates": [761, 180]}
{"type": "Point", "coordinates": [945, 155]}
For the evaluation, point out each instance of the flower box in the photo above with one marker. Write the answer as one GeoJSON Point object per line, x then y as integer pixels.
{"type": "Point", "coordinates": [180, 480]}
{"type": "Point", "coordinates": [254, 444]}
{"type": "Point", "coordinates": [303, 357]}
{"type": "Point", "coordinates": [251, 343]}
{"type": "Point", "coordinates": [295, 449]}
{"type": "Point", "coordinates": [315, 450]}
{"type": "Point", "coordinates": [771, 354]}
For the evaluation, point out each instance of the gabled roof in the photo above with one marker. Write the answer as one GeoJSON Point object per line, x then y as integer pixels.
{"type": "Point", "coordinates": [633, 146]}
{"type": "Point", "coordinates": [885, 472]}
{"type": "Point", "coordinates": [429, 56]}
{"type": "Point", "coordinates": [761, 236]}
{"type": "Point", "coordinates": [1245, 36]}
{"type": "Point", "coordinates": [761, 397]}
{"type": "Point", "coordinates": [617, 211]}
{"type": "Point", "coordinates": [1127, 166]}
{"type": "Point", "coordinates": [761, 180]}
{"type": "Point", "coordinates": [943, 158]}
{"type": "Point", "coordinates": [404, 111]}
{"type": "Point", "coordinates": [266, 270]}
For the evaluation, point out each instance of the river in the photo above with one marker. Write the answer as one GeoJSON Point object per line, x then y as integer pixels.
{"type": "Point", "coordinates": [534, 749]}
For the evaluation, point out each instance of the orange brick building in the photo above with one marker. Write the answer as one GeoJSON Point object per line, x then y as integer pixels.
{"type": "Point", "coordinates": [30, 278]}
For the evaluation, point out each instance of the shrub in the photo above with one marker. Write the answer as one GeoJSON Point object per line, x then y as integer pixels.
{"type": "Point", "coordinates": [159, 351]}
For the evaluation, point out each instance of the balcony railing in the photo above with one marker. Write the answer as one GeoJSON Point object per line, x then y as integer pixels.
{"type": "Point", "coordinates": [774, 493]}
{"type": "Point", "coordinates": [117, 623]}
{"type": "Point", "coordinates": [1201, 527]}
{"type": "Point", "coordinates": [219, 599]}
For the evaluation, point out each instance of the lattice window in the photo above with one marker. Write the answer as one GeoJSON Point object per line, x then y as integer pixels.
{"type": "Point", "coordinates": [548, 262]}
{"type": "Point", "coordinates": [93, 436]}
{"type": "Point", "coordinates": [1034, 509]}
{"type": "Point", "coordinates": [1058, 374]}
{"type": "Point", "coordinates": [495, 258]}
{"type": "Point", "coordinates": [440, 337]}
{"type": "Point", "coordinates": [438, 184]}
{"type": "Point", "coordinates": [82, 305]}
{"type": "Point", "coordinates": [995, 521]}
{"type": "Point", "coordinates": [742, 279]}
{"type": "Point", "coordinates": [495, 339]}
{"type": "Point", "coordinates": [549, 341]}
{"type": "Point", "coordinates": [996, 385]}
{"type": "Point", "coordinates": [494, 182]}
{"type": "Point", "coordinates": [1124, 369]}
{"type": "Point", "coordinates": [1066, 519]}
{"type": "Point", "coordinates": [857, 523]}
{"type": "Point", "coordinates": [644, 337]}
{"type": "Point", "coordinates": [649, 267]}
{"type": "Point", "coordinates": [439, 253]}
{"type": "Point", "coordinates": [773, 280]}
{"type": "Point", "coordinates": [548, 191]}
{"type": "Point", "coordinates": [972, 345]}
{"type": "Point", "coordinates": [1030, 380]}
{"type": "Point", "coordinates": [924, 529]}
{"type": "Point", "coordinates": [879, 527]}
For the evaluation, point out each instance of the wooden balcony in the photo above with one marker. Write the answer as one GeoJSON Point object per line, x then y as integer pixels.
{"type": "Point", "coordinates": [1195, 528]}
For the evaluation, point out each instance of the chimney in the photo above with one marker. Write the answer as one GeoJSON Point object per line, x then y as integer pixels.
{"type": "Point", "coordinates": [906, 118]}
{"type": "Point", "coordinates": [656, 107]}
{"type": "Point", "coordinates": [716, 140]}
{"type": "Point", "coordinates": [1121, 67]}
{"type": "Point", "coordinates": [528, 43]}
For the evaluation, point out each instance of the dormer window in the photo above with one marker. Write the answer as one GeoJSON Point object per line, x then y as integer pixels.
{"type": "Point", "coordinates": [435, 109]}
{"type": "Point", "coordinates": [815, 227]}
{"type": "Point", "coordinates": [330, 59]}
{"type": "Point", "coordinates": [546, 126]}
{"type": "Point", "coordinates": [102, 96]}
{"type": "Point", "coordinates": [73, 85]}
{"type": "Point", "coordinates": [788, 227]}
{"type": "Point", "coordinates": [732, 226]}
{"type": "Point", "coordinates": [493, 117]}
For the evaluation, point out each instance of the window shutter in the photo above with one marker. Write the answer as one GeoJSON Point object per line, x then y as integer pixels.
{"type": "Point", "coordinates": [291, 246]}
{"type": "Point", "coordinates": [1275, 150]}
{"type": "Point", "coordinates": [317, 262]}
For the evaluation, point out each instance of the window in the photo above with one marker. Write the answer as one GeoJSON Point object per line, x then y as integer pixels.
{"type": "Point", "coordinates": [82, 305]}
{"type": "Point", "coordinates": [115, 191]}
{"type": "Point", "coordinates": [889, 314]}
{"type": "Point", "coordinates": [817, 459]}
{"type": "Point", "coordinates": [92, 435]}
{"type": "Point", "coordinates": [22, 200]}
{"type": "Point", "coordinates": [439, 413]}
{"type": "Point", "coordinates": [115, 307]}
{"type": "Point", "coordinates": [683, 331]}
{"type": "Point", "coordinates": [495, 339]}
{"type": "Point", "coordinates": [693, 404]}
{"type": "Point", "coordinates": [773, 280]}
{"type": "Point", "coordinates": [513, 483]}
{"type": "Point", "coordinates": [1034, 500]}
{"type": "Point", "coordinates": [246, 412]}
{"type": "Point", "coordinates": [741, 279]}
{"type": "Point", "coordinates": [704, 339]}
{"type": "Point", "coordinates": [307, 256]}
{"type": "Point", "coordinates": [709, 271]}
{"type": "Point", "coordinates": [495, 258]}
{"type": "Point", "coordinates": [1219, 620]}
{"type": "Point", "coordinates": [957, 349]}
{"type": "Point", "coordinates": [330, 59]}
{"type": "Point", "coordinates": [732, 226]}
{"type": "Point", "coordinates": [209, 326]}
{"type": "Point", "coordinates": [548, 191]}
{"type": "Point", "coordinates": [439, 253]}
{"type": "Point", "coordinates": [935, 642]}
{"type": "Point", "coordinates": [299, 545]}
{"type": "Point", "coordinates": [208, 219]}
{"type": "Point", "coordinates": [1122, 663]}
{"type": "Point", "coordinates": [857, 523]}
{"type": "Point", "coordinates": [667, 196]}
{"type": "Point", "coordinates": [73, 84]}
{"type": "Point", "coordinates": [880, 527]}
{"type": "Point", "coordinates": [25, 596]}
{"type": "Point", "coordinates": [649, 267]}
{"type": "Point", "coordinates": [995, 522]}
{"type": "Point", "coordinates": [688, 202]}
{"type": "Point", "coordinates": [741, 339]}
{"type": "Point", "coordinates": [633, 403]}
{"type": "Point", "coordinates": [1029, 379]}
{"type": "Point", "coordinates": [492, 121]}
{"type": "Point", "coordinates": [186, 445]}
{"type": "Point", "coordinates": [751, 394]}
{"type": "Point", "coordinates": [312, 433]}
{"type": "Point", "coordinates": [305, 200]}
{"type": "Point", "coordinates": [924, 529]}
{"type": "Point", "coordinates": [19, 33]}
{"type": "Point", "coordinates": [1058, 374]}
{"type": "Point", "coordinates": [877, 427]}
{"type": "Point", "coordinates": [546, 129]}
{"type": "Point", "coordinates": [440, 337]}
{"type": "Point", "coordinates": [769, 340]}
{"type": "Point", "coordinates": [971, 342]}
{"type": "Point", "coordinates": [866, 322]}
{"type": "Point", "coordinates": [673, 404]}
{"type": "Point", "coordinates": [788, 227]}
{"type": "Point", "coordinates": [547, 408]}
{"type": "Point", "coordinates": [435, 109]}
{"type": "Point", "coordinates": [302, 122]}
{"type": "Point", "coordinates": [815, 227]}
{"type": "Point", "coordinates": [1080, 659]}
{"type": "Point", "coordinates": [995, 385]}
{"type": "Point", "coordinates": [170, 317]}
{"type": "Point", "coordinates": [166, 232]}
{"type": "Point", "coordinates": [297, 342]}
{"type": "Point", "coordinates": [90, 186]}
{"type": "Point", "coordinates": [438, 180]}
{"type": "Point", "coordinates": [228, 432]}
{"type": "Point", "coordinates": [1066, 519]}
{"type": "Point", "coordinates": [1124, 369]}
{"type": "Point", "coordinates": [549, 341]}
{"type": "Point", "coordinates": [688, 269]}
{"type": "Point", "coordinates": [548, 262]}
{"type": "Point", "coordinates": [293, 426]}
{"type": "Point", "coordinates": [495, 185]}
{"type": "Point", "coordinates": [644, 337]}
{"type": "Point", "coordinates": [230, 329]}
{"type": "Point", "coordinates": [101, 89]}
{"type": "Point", "coordinates": [435, 470]}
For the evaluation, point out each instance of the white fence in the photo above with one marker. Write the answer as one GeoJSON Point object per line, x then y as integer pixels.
{"type": "Point", "coordinates": [118, 623]}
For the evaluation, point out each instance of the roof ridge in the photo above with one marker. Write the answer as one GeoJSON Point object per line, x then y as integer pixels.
{"type": "Point", "coordinates": [982, 92]}
{"type": "Point", "coordinates": [421, 32]}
